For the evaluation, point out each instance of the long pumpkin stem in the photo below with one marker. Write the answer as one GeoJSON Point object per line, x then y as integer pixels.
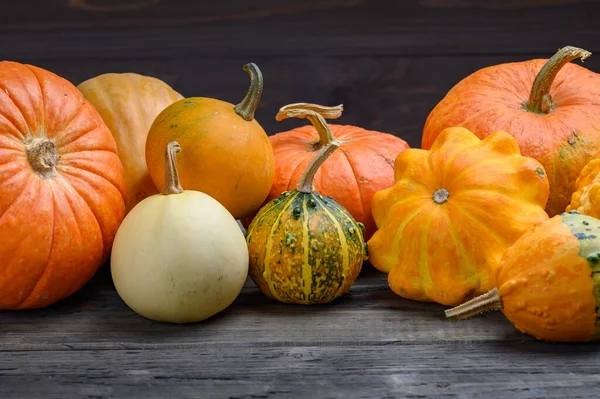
{"type": "Point", "coordinates": [172, 184]}
{"type": "Point", "coordinates": [483, 303]}
{"type": "Point", "coordinates": [247, 107]}
{"type": "Point", "coordinates": [540, 100]}
{"type": "Point", "coordinates": [319, 111]}
{"type": "Point", "coordinates": [316, 114]}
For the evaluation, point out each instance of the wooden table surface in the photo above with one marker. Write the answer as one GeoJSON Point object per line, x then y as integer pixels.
{"type": "Point", "coordinates": [368, 344]}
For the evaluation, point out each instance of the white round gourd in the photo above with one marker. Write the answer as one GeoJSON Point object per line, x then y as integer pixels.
{"type": "Point", "coordinates": [179, 256]}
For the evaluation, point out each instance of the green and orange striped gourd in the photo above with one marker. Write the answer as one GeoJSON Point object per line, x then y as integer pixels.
{"type": "Point", "coordinates": [549, 283]}
{"type": "Point", "coordinates": [305, 248]}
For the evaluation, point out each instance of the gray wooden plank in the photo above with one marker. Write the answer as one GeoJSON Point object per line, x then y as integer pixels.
{"type": "Point", "coordinates": [389, 94]}
{"type": "Point", "coordinates": [371, 314]}
{"type": "Point", "coordinates": [516, 370]}
{"type": "Point", "coordinates": [377, 27]}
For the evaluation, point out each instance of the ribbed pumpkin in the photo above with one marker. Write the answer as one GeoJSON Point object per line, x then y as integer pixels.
{"type": "Point", "coordinates": [363, 165]}
{"type": "Point", "coordinates": [550, 106]}
{"type": "Point", "coordinates": [452, 212]}
{"type": "Point", "coordinates": [128, 104]}
{"type": "Point", "coordinates": [549, 283]}
{"type": "Point", "coordinates": [228, 155]}
{"type": "Point", "coordinates": [61, 188]}
{"type": "Point", "coordinates": [586, 200]}
{"type": "Point", "coordinates": [305, 248]}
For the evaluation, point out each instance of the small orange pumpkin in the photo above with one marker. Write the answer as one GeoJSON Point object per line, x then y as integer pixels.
{"type": "Point", "coordinates": [552, 108]}
{"type": "Point", "coordinates": [228, 155]}
{"type": "Point", "coordinates": [452, 213]}
{"type": "Point", "coordinates": [363, 165]}
{"type": "Point", "coordinates": [61, 188]}
{"type": "Point", "coordinates": [549, 283]}
{"type": "Point", "coordinates": [128, 104]}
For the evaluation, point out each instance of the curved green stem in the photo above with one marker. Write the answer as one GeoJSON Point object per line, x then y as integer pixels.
{"type": "Point", "coordinates": [483, 303]}
{"type": "Point", "coordinates": [316, 114]}
{"type": "Point", "coordinates": [172, 184]}
{"type": "Point", "coordinates": [247, 107]}
{"type": "Point", "coordinates": [540, 100]}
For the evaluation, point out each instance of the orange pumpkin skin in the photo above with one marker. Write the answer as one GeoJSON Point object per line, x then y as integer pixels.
{"type": "Point", "coordinates": [61, 188]}
{"type": "Point", "coordinates": [549, 281]}
{"type": "Point", "coordinates": [451, 214]}
{"type": "Point", "coordinates": [128, 104]}
{"type": "Point", "coordinates": [228, 154]}
{"type": "Point", "coordinates": [564, 139]}
{"type": "Point", "coordinates": [363, 165]}
{"type": "Point", "coordinates": [586, 200]}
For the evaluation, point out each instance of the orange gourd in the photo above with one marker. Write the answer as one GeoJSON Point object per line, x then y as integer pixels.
{"type": "Point", "coordinates": [128, 104]}
{"type": "Point", "coordinates": [586, 200]}
{"type": "Point", "coordinates": [228, 155]}
{"type": "Point", "coordinates": [452, 212]}
{"type": "Point", "coordinates": [552, 108]}
{"type": "Point", "coordinates": [363, 165]}
{"type": "Point", "coordinates": [61, 188]}
{"type": "Point", "coordinates": [549, 283]}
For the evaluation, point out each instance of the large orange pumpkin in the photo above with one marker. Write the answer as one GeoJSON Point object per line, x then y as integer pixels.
{"type": "Point", "coordinates": [453, 212]}
{"type": "Point", "coordinates": [551, 107]}
{"type": "Point", "coordinates": [227, 153]}
{"type": "Point", "coordinates": [61, 188]}
{"type": "Point", "coordinates": [128, 104]}
{"type": "Point", "coordinates": [363, 165]}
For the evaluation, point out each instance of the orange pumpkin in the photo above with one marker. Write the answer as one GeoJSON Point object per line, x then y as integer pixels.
{"type": "Point", "coordinates": [363, 165]}
{"type": "Point", "coordinates": [550, 106]}
{"type": "Point", "coordinates": [452, 213]}
{"type": "Point", "coordinates": [228, 155]}
{"type": "Point", "coordinates": [549, 283]}
{"type": "Point", "coordinates": [61, 188]}
{"type": "Point", "coordinates": [128, 104]}
{"type": "Point", "coordinates": [586, 200]}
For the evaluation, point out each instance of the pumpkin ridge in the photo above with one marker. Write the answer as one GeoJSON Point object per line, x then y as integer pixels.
{"type": "Point", "coordinates": [18, 137]}
{"type": "Point", "coordinates": [356, 179]}
{"type": "Point", "coordinates": [12, 123]}
{"type": "Point", "coordinates": [490, 231]}
{"type": "Point", "coordinates": [291, 184]}
{"type": "Point", "coordinates": [21, 191]}
{"type": "Point", "coordinates": [68, 169]}
{"type": "Point", "coordinates": [90, 207]}
{"type": "Point", "coordinates": [42, 108]}
{"type": "Point", "coordinates": [6, 90]}
{"type": "Point", "coordinates": [306, 268]}
{"type": "Point", "coordinates": [463, 254]}
{"type": "Point", "coordinates": [424, 263]}
{"type": "Point", "coordinates": [51, 246]}
{"type": "Point", "coordinates": [341, 235]}
{"type": "Point", "coordinates": [269, 244]}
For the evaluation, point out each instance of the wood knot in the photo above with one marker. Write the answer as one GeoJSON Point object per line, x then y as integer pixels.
{"type": "Point", "coordinates": [42, 155]}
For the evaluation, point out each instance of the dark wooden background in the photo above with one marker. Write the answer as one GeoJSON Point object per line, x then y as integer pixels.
{"type": "Point", "coordinates": [388, 61]}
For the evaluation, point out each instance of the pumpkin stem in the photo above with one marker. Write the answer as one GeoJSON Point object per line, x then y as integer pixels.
{"type": "Point", "coordinates": [316, 114]}
{"type": "Point", "coordinates": [43, 155]}
{"type": "Point", "coordinates": [483, 303]}
{"type": "Point", "coordinates": [316, 118]}
{"type": "Point", "coordinates": [247, 107]}
{"type": "Point", "coordinates": [172, 184]}
{"type": "Point", "coordinates": [540, 100]}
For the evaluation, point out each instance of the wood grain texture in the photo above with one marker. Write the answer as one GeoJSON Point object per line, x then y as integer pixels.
{"type": "Point", "coordinates": [334, 27]}
{"type": "Point", "coordinates": [369, 344]}
{"type": "Point", "coordinates": [519, 370]}
{"type": "Point", "coordinates": [388, 94]}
